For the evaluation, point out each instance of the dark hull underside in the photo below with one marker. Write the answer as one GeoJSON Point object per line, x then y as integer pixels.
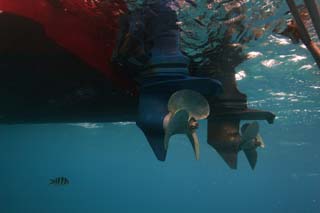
{"type": "Point", "coordinates": [42, 83]}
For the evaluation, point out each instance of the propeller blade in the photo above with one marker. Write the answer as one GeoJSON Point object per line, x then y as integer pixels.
{"type": "Point", "coordinates": [252, 157]}
{"type": "Point", "coordinates": [191, 101]}
{"type": "Point", "coordinates": [178, 123]}
{"type": "Point", "coordinates": [249, 131]}
{"type": "Point", "coordinates": [193, 137]}
{"type": "Point", "coordinates": [260, 140]}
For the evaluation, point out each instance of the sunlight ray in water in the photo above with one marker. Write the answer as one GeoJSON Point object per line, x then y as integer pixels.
{"type": "Point", "coordinates": [315, 87]}
{"type": "Point", "coordinates": [240, 75]}
{"type": "Point", "coordinates": [124, 123]}
{"type": "Point", "coordinates": [270, 63]}
{"type": "Point", "coordinates": [306, 67]}
{"type": "Point", "coordinates": [298, 144]}
{"type": "Point", "coordinates": [280, 40]}
{"type": "Point", "coordinates": [87, 125]}
{"type": "Point", "coordinates": [253, 54]}
{"type": "Point", "coordinates": [296, 58]}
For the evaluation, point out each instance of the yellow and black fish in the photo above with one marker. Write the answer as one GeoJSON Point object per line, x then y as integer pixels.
{"type": "Point", "coordinates": [59, 181]}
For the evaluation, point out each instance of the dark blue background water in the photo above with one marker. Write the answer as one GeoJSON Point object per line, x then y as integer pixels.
{"type": "Point", "coordinates": [111, 167]}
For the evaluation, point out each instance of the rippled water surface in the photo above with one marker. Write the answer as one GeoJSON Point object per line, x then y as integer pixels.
{"type": "Point", "coordinates": [111, 167]}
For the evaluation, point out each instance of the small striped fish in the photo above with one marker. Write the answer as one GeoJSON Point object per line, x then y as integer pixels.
{"type": "Point", "coordinates": [59, 181]}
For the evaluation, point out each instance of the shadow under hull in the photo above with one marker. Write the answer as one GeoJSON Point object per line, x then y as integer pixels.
{"type": "Point", "coordinates": [43, 83]}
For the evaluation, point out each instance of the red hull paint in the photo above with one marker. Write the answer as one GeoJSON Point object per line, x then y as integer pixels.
{"type": "Point", "coordinates": [86, 31]}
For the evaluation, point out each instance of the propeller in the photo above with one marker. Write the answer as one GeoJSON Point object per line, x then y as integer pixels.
{"type": "Point", "coordinates": [250, 140]}
{"type": "Point", "coordinates": [160, 100]}
{"type": "Point", "coordinates": [185, 108]}
{"type": "Point", "coordinates": [250, 137]}
{"type": "Point", "coordinates": [191, 101]}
